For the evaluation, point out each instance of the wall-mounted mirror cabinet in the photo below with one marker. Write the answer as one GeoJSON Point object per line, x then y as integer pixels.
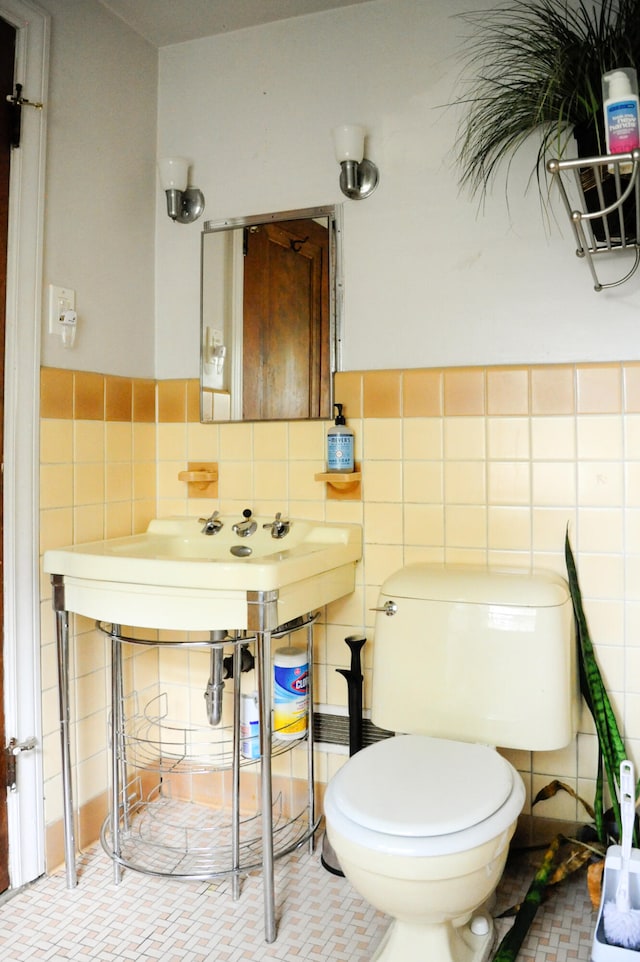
{"type": "Point", "coordinates": [271, 300]}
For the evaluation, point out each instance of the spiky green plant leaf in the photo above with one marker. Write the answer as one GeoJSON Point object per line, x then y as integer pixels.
{"type": "Point", "coordinates": [510, 945]}
{"type": "Point", "coordinates": [535, 66]}
{"type": "Point", "coordinates": [610, 741]}
{"type": "Point", "coordinates": [612, 752]}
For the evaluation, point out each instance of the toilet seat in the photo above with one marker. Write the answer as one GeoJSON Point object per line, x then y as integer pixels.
{"type": "Point", "coordinates": [468, 794]}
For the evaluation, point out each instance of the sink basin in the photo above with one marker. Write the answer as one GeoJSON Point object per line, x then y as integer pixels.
{"type": "Point", "coordinates": [175, 576]}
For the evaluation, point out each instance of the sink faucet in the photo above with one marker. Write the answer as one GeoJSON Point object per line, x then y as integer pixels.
{"type": "Point", "coordinates": [279, 528]}
{"type": "Point", "coordinates": [246, 527]}
{"type": "Point", "coordinates": [211, 524]}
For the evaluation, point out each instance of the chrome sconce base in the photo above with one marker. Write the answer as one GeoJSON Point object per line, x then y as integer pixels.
{"type": "Point", "coordinates": [185, 206]}
{"type": "Point", "coordinates": [358, 180]}
{"type": "Point", "coordinates": [358, 176]}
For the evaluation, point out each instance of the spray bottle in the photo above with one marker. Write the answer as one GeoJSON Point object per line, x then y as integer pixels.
{"type": "Point", "coordinates": [340, 445]}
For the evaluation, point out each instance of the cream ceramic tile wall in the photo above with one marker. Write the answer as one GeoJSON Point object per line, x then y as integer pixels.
{"type": "Point", "coordinates": [97, 480]}
{"type": "Point", "coordinates": [458, 465]}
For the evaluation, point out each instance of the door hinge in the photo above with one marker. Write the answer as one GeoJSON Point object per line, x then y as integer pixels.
{"type": "Point", "coordinates": [12, 751]}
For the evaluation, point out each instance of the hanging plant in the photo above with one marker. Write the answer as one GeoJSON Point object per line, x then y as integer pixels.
{"type": "Point", "coordinates": [536, 68]}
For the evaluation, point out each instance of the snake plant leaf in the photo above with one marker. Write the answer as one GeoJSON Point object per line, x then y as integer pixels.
{"type": "Point", "coordinates": [556, 868]}
{"type": "Point", "coordinates": [572, 855]}
{"type": "Point", "coordinates": [510, 945]}
{"type": "Point", "coordinates": [610, 741]}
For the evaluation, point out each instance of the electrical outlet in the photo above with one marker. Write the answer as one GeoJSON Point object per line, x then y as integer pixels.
{"type": "Point", "coordinates": [60, 299]}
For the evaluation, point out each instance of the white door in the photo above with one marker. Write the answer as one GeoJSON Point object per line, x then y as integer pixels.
{"type": "Point", "coordinates": [21, 626]}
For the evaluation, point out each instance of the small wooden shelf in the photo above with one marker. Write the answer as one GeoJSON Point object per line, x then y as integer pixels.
{"type": "Point", "coordinates": [202, 479]}
{"type": "Point", "coordinates": [342, 484]}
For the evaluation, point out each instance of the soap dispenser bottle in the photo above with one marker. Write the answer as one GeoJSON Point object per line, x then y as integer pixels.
{"type": "Point", "coordinates": [340, 439]}
{"type": "Point", "coordinates": [621, 122]}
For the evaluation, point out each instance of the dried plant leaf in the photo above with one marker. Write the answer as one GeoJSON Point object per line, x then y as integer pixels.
{"type": "Point", "coordinates": [575, 858]}
{"type": "Point", "coordinates": [594, 882]}
{"type": "Point", "coordinates": [552, 789]}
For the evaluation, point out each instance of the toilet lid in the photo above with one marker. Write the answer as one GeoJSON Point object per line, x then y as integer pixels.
{"type": "Point", "coordinates": [416, 786]}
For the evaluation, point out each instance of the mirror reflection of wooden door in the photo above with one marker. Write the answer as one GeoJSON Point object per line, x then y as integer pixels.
{"type": "Point", "coordinates": [286, 321]}
{"type": "Point", "coordinates": [7, 61]}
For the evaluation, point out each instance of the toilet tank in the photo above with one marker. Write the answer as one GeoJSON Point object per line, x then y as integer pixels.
{"type": "Point", "coordinates": [476, 654]}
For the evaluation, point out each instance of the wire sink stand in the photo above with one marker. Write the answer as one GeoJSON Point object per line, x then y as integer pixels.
{"type": "Point", "coordinates": [195, 801]}
{"type": "Point", "coordinates": [175, 838]}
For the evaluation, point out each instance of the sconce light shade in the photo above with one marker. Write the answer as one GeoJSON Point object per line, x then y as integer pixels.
{"type": "Point", "coordinates": [184, 204]}
{"type": "Point", "coordinates": [349, 142]}
{"type": "Point", "coordinates": [358, 176]}
{"type": "Point", "coordinates": [174, 172]}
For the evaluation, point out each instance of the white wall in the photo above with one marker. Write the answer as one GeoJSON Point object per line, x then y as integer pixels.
{"type": "Point", "coordinates": [100, 188]}
{"type": "Point", "coordinates": [430, 280]}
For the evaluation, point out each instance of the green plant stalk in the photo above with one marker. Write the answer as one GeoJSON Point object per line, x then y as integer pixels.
{"type": "Point", "coordinates": [598, 803]}
{"type": "Point", "coordinates": [510, 945]}
{"type": "Point", "coordinates": [612, 752]}
{"type": "Point", "coordinates": [593, 689]}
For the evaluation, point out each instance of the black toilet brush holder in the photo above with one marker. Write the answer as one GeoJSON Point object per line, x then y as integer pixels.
{"type": "Point", "coordinates": [354, 679]}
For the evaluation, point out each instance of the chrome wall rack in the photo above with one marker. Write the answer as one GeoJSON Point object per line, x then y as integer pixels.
{"type": "Point", "coordinates": [601, 196]}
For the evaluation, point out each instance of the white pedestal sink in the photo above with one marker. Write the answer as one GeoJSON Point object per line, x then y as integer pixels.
{"type": "Point", "coordinates": [174, 576]}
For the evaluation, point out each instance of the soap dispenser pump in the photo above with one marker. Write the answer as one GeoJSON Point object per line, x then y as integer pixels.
{"type": "Point", "coordinates": [340, 443]}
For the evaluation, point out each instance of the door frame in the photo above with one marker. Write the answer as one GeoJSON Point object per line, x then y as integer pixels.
{"type": "Point", "coordinates": [22, 685]}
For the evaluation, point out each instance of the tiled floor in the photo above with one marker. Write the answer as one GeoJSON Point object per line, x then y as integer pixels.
{"type": "Point", "coordinates": [320, 918]}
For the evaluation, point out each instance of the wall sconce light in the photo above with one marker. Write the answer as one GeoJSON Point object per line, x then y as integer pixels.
{"type": "Point", "coordinates": [184, 204]}
{"type": "Point", "coordinates": [358, 176]}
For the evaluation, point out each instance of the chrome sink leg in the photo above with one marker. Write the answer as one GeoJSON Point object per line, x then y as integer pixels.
{"type": "Point", "coordinates": [235, 774]}
{"type": "Point", "coordinates": [311, 778]}
{"type": "Point", "coordinates": [62, 639]}
{"type": "Point", "coordinates": [263, 651]}
{"type": "Point", "coordinates": [116, 753]}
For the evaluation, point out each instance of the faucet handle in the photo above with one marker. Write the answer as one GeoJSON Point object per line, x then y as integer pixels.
{"type": "Point", "coordinates": [212, 524]}
{"type": "Point", "coordinates": [212, 517]}
{"type": "Point", "coordinates": [278, 527]}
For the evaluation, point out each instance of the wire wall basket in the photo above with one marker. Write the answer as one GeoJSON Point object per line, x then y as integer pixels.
{"type": "Point", "coordinates": [601, 196]}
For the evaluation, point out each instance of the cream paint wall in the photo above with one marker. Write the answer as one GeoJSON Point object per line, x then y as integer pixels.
{"type": "Point", "coordinates": [100, 183]}
{"type": "Point", "coordinates": [430, 280]}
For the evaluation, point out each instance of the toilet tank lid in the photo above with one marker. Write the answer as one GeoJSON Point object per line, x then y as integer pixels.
{"type": "Point", "coordinates": [478, 584]}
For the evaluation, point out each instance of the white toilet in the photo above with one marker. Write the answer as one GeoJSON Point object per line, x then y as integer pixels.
{"type": "Point", "coordinates": [464, 659]}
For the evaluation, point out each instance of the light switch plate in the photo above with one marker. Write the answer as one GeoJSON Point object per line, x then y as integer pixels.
{"type": "Point", "coordinates": [60, 299]}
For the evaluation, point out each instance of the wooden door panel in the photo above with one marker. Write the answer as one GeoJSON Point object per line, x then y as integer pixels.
{"type": "Point", "coordinates": [286, 321]}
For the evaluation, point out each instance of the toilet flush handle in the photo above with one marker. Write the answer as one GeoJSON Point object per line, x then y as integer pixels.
{"type": "Point", "coordinates": [389, 608]}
